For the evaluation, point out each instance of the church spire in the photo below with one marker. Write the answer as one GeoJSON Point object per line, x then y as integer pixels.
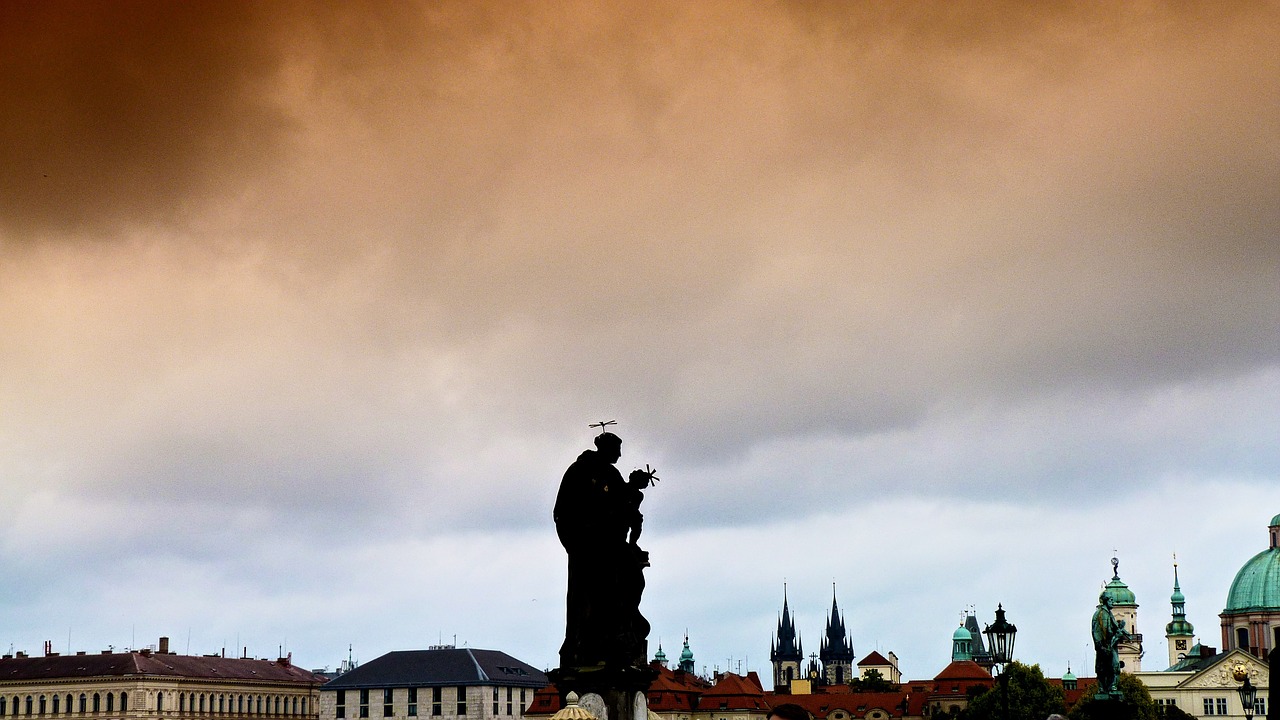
{"type": "Point", "coordinates": [1179, 633]}
{"type": "Point", "coordinates": [836, 651]}
{"type": "Point", "coordinates": [785, 651]}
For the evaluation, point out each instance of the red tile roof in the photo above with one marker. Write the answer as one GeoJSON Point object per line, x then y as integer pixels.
{"type": "Point", "coordinates": [874, 658]}
{"type": "Point", "coordinates": [734, 692]}
{"type": "Point", "coordinates": [963, 670]}
{"type": "Point", "coordinates": [855, 704]}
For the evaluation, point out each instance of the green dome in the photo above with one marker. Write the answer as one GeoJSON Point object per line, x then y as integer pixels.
{"type": "Point", "coordinates": [1120, 593]}
{"type": "Point", "coordinates": [962, 633]}
{"type": "Point", "coordinates": [1257, 585]}
{"type": "Point", "coordinates": [1069, 677]}
{"type": "Point", "coordinates": [1275, 521]}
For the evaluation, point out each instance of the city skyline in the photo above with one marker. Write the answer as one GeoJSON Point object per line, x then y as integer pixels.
{"type": "Point", "coordinates": [304, 310]}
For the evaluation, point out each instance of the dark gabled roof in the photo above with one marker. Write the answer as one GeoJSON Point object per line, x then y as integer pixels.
{"type": "Point", "coordinates": [153, 664]}
{"type": "Point", "coordinates": [874, 658]}
{"type": "Point", "coordinates": [445, 666]}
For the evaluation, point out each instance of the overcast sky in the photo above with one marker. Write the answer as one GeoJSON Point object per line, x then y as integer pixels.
{"type": "Point", "coordinates": [306, 307]}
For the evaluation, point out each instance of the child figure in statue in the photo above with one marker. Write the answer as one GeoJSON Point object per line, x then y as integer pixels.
{"type": "Point", "coordinates": [637, 481]}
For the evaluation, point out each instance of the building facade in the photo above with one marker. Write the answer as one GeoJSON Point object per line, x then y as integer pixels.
{"type": "Point", "coordinates": [441, 683]}
{"type": "Point", "coordinates": [155, 685]}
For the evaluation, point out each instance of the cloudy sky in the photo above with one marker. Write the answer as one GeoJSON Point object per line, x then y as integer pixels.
{"type": "Point", "coordinates": [305, 308]}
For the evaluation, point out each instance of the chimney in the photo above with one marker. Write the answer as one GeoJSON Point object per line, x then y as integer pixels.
{"type": "Point", "coordinates": [164, 645]}
{"type": "Point", "coordinates": [48, 648]}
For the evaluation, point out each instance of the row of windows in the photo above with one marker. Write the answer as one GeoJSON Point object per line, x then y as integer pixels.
{"type": "Point", "coordinates": [437, 702]}
{"type": "Point", "coordinates": [187, 703]}
{"type": "Point", "coordinates": [45, 704]}
{"type": "Point", "coordinates": [238, 704]}
{"type": "Point", "coordinates": [1218, 706]}
{"type": "Point", "coordinates": [497, 701]}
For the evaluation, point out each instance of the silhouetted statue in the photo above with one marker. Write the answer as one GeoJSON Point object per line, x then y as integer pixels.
{"type": "Point", "coordinates": [1108, 633]}
{"type": "Point", "coordinates": [595, 512]}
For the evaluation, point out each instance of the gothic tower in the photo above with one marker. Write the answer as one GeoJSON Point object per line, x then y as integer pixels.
{"type": "Point", "coordinates": [784, 651]}
{"type": "Point", "coordinates": [1178, 632]}
{"type": "Point", "coordinates": [836, 651]}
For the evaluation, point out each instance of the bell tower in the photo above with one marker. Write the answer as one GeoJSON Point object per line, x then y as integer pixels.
{"type": "Point", "coordinates": [1179, 633]}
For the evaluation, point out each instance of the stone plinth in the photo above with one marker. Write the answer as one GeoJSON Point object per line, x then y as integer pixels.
{"type": "Point", "coordinates": [609, 693]}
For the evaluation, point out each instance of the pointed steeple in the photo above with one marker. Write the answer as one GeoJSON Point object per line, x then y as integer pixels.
{"type": "Point", "coordinates": [787, 641]}
{"type": "Point", "coordinates": [836, 650]}
{"type": "Point", "coordinates": [686, 656]}
{"type": "Point", "coordinates": [785, 651]}
{"type": "Point", "coordinates": [1179, 633]}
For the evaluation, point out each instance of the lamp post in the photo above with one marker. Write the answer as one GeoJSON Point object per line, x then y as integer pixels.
{"type": "Point", "coordinates": [1248, 695]}
{"type": "Point", "coordinates": [1000, 635]}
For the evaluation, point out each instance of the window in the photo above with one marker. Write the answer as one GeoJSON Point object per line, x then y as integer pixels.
{"type": "Point", "coordinates": [222, 703]}
{"type": "Point", "coordinates": [495, 701]}
{"type": "Point", "coordinates": [340, 704]}
{"type": "Point", "coordinates": [1260, 707]}
{"type": "Point", "coordinates": [41, 705]}
{"type": "Point", "coordinates": [84, 704]}
{"type": "Point", "coordinates": [111, 702]}
{"type": "Point", "coordinates": [3, 705]}
{"type": "Point", "coordinates": [1215, 706]}
{"type": "Point", "coordinates": [508, 701]}
{"type": "Point", "coordinates": [413, 702]}
{"type": "Point", "coordinates": [97, 703]}
{"type": "Point", "coordinates": [159, 702]}
{"type": "Point", "coordinates": [436, 701]}
{"type": "Point", "coordinates": [70, 704]}
{"type": "Point", "coordinates": [201, 702]}
{"type": "Point", "coordinates": [364, 703]}
{"type": "Point", "coordinates": [259, 704]}
{"type": "Point", "coordinates": [461, 693]}
{"type": "Point", "coordinates": [1242, 638]}
{"type": "Point", "coordinates": [124, 702]}
{"type": "Point", "coordinates": [387, 702]}
{"type": "Point", "coordinates": [30, 701]}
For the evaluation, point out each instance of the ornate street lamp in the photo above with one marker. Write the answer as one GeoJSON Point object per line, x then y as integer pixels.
{"type": "Point", "coordinates": [1248, 695]}
{"type": "Point", "coordinates": [1000, 636]}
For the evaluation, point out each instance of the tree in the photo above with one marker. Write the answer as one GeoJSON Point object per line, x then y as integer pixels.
{"type": "Point", "coordinates": [1173, 712]}
{"type": "Point", "coordinates": [1029, 696]}
{"type": "Point", "coordinates": [1136, 704]}
{"type": "Point", "coordinates": [872, 681]}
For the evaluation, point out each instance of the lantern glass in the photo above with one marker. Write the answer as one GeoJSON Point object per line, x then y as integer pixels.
{"type": "Point", "coordinates": [1000, 635]}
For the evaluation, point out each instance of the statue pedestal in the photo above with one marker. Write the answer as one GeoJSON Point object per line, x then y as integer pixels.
{"type": "Point", "coordinates": [610, 693]}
